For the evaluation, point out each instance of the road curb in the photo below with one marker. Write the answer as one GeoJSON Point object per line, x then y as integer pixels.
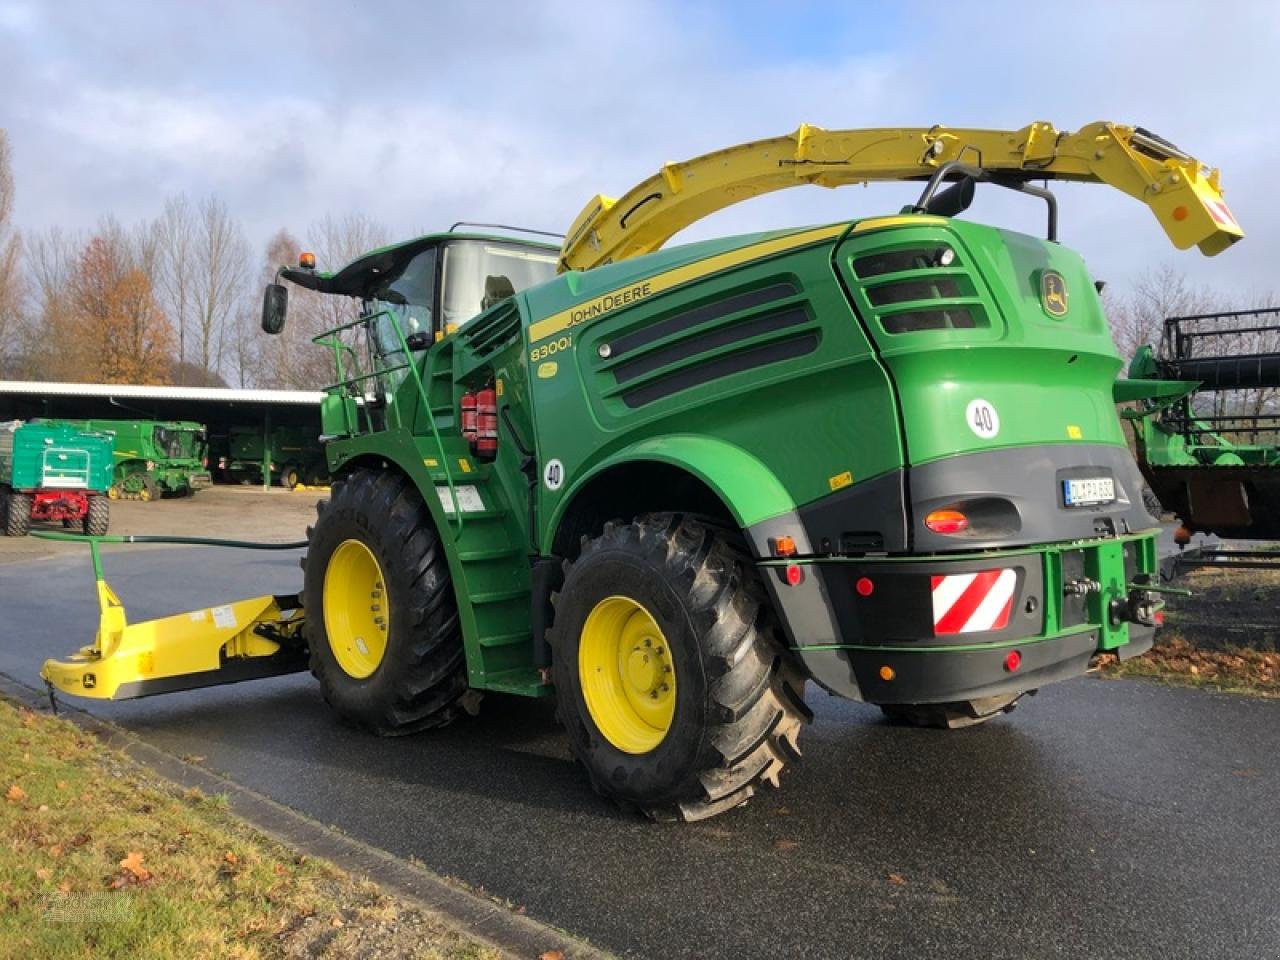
{"type": "Point", "coordinates": [514, 934]}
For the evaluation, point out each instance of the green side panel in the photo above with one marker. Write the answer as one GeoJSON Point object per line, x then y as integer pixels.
{"type": "Point", "coordinates": [978, 333]}
{"type": "Point", "coordinates": [762, 362]}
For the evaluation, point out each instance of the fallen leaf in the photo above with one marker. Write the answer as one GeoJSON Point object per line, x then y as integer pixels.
{"type": "Point", "coordinates": [897, 879]}
{"type": "Point", "coordinates": [782, 812]}
{"type": "Point", "coordinates": [133, 864]}
{"type": "Point", "coordinates": [336, 922]}
{"type": "Point", "coordinates": [278, 869]}
{"type": "Point", "coordinates": [44, 873]}
{"type": "Point", "coordinates": [43, 808]}
{"type": "Point", "coordinates": [15, 794]}
{"type": "Point", "coordinates": [80, 839]}
{"type": "Point", "coordinates": [61, 784]}
{"type": "Point", "coordinates": [55, 850]}
{"type": "Point", "coordinates": [230, 857]}
{"type": "Point", "coordinates": [28, 718]}
{"type": "Point", "coordinates": [551, 955]}
{"type": "Point", "coordinates": [785, 844]}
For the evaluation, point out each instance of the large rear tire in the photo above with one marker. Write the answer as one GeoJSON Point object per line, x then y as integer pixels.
{"type": "Point", "coordinates": [951, 716]}
{"type": "Point", "coordinates": [98, 519]}
{"type": "Point", "coordinates": [382, 621]}
{"type": "Point", "coordinates": [18, 516]}
{"type": "Point", "coordinates": [675, 691]}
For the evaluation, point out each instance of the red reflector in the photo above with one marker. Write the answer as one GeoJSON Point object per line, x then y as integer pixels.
{"type": "Point", "coordinates": [795, 575]}
{"type": "Point", "coordinates": [1012, 660]}
{"type": "Point", "coordinates": [1159, 618]}
{"type": "Point", "coordinates": [864, 586]}
{"type": "Point", "coordinates": [947, 521]}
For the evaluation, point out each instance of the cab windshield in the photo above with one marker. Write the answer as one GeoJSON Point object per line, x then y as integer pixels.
{"type": "Point", "coordinates": [409, 296]}
{"type": "Point", "coordinates": [479, 273]}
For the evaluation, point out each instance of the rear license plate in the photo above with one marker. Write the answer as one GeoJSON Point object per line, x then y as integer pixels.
{"type": "Point", "coordinates": [1088, 491]}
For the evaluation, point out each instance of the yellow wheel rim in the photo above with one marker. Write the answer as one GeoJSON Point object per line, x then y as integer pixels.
{"type": "Point", "coordinates": [144, 494]}
{"type": "Point", "coordinates": [113, 492]}
{"type": "Point", "coordinates": [355, 615]}
{"type": "Point", "coordinates": [627, 675]}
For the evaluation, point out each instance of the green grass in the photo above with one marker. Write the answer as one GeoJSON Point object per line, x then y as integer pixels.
{"type": "Point", "coordinates": [99, 858]}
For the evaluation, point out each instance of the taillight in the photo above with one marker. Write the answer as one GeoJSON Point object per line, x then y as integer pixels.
{"type": "Point", "coordinates": [947, 521]}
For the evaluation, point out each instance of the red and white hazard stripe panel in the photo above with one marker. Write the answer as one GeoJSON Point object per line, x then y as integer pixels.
{"type": "Point", "coordinates": [1218, 210]}
{"type": "Point", "coordinates": [973, 602]}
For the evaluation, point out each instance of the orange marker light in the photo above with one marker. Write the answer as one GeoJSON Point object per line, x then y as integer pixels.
{"type": "Point", "coordinates": [1180, 213]}
{"type": "Point", "coordinates": [887, 673]}
{"type": "Point", "coordinates": [307, 260]}
{"type": "Point", "coordinates": [947, 521]}
{"type": "Point", "coordinates": [784, 546]}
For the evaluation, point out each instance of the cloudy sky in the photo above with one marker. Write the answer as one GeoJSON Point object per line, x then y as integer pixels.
{"type": "Point", "coordinates": [419, 114]}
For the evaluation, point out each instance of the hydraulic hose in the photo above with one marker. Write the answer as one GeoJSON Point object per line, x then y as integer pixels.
{"type": "Point", "coordinates": [169, 538]}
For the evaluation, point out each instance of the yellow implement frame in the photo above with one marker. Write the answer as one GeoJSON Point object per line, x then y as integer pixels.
{"type": "Point", "coordinates": [244, 640]}
{"type": "Point", "coordinates": [1182, 192]}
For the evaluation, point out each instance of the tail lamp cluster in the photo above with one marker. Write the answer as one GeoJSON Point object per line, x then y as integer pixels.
{"type": "Point", "coordinates": [480, 422]}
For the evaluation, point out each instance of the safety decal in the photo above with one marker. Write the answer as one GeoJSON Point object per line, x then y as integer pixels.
{"type": "Point", "coordinates": [982, 419]}
{"type": "Point", "coordinates": [973, 602]}
{"type": "Point", "coordinates": [553, 475]}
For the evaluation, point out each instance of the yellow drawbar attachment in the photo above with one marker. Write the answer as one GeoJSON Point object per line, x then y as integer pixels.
{"type": "Point", "coordinates": [627, 675]}
{"type": "Point", "coordinates": [355, 609]}
{"type": "Point", "coordinates": [181, 652]}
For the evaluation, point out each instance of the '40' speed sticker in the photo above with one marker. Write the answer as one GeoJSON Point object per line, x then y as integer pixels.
{"type": "Point", "coordinates": [982, 418]}
{"type": "Point", "coordinates": [553, 475]}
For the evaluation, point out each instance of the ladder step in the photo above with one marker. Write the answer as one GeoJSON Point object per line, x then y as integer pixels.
{"type": "Point", "coordinates": [505, 640]}
{"type": "Point", "coordinates": [496, 553]}
{"type": "Point", "coordinates": [498, 596]}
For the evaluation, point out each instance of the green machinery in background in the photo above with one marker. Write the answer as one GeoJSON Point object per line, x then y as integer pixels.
{"type": "Point", "coordinates": [290, 455]}
{"type": "Point", "coordinates": [1207, 421]}
{"type": "Point", "coordinates": [672, 486]}
{"type": "Point", "coordinates": [54, 473]}
{"type": "Point", "coordinates": [155, 458]}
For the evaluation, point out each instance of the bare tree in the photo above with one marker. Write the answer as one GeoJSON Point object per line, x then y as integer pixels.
{"type": "Point", "coordinates": [1137, 318]}
{"type": "Point", "coordinates": [201, 267]}
{"type": "Point", "coordinates": [174, 232]}
{"type": "Point", "coordinates": [10, 264]}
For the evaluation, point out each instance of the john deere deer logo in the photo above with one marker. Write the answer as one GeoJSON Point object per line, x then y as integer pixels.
{"type": "Point", "coordinates": [1053, 293]}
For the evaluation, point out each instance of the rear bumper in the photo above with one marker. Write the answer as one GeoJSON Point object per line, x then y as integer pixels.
{"type": "Point", "coordinates": [941, 628]}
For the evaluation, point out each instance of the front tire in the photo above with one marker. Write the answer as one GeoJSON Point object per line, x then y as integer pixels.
{"type": "Point", "coordinates": [382, 621]}
{"type": "Point", "coordinates": [689, 723]}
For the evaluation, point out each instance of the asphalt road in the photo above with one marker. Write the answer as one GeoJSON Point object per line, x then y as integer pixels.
{"type": "Point", "coordinates": [1101, 819]}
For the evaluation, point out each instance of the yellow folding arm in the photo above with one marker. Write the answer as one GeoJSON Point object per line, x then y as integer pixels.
{"type": "Point", "coordinates": [1183, 194]}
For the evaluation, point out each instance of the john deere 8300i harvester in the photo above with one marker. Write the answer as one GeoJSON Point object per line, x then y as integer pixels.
{"type": "Point", "coordinates": [671, 486]}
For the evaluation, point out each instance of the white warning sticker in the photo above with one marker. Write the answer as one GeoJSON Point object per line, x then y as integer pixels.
{"type": "Point", "coordinates": [468, 497]}
{"type": "Point", "coordinates": [982, 418]}
{"type": "Point", "coordinates": [223, 616]}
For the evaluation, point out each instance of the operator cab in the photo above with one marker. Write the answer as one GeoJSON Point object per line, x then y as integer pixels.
{"type": "Point", "coordinates": [430, 286]}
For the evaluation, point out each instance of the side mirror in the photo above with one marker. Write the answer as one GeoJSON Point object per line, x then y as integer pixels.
{"type": "Point", "coordinates": [275, 305]}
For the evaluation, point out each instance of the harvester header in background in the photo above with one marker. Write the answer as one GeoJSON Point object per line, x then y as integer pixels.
{"type": "Point", "coordinates": [1182, 192]}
